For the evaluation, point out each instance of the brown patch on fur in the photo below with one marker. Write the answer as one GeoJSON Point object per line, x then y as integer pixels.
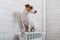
{"type": "Point", "coordinates": [28, 6]}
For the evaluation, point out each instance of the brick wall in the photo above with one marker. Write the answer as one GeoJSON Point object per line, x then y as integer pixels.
{"type": "Point", "coordinates": [53, 20]}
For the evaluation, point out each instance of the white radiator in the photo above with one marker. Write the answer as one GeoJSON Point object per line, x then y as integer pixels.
{"type": "Point", "coordinates": [30, 36]}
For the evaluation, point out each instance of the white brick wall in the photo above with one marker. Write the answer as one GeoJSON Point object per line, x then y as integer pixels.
{"type": "Point", "coordinates": [53, 20]}
{"type": "Point", "coordinates": [7, 23]}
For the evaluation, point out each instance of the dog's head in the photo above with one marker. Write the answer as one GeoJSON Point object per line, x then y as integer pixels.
{"type": "Point", "coordinates": [29, 8]}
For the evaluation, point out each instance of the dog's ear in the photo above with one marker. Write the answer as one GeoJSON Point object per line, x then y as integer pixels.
{"type": "Point", "coordinates": [27, 5]}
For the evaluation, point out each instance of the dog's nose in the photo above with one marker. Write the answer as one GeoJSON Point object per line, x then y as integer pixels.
{"type": "Point", "coordinates": [35, 11]}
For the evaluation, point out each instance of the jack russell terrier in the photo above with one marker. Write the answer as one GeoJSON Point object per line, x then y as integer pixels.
{"type": "Point", "coordinates": [24, 22]}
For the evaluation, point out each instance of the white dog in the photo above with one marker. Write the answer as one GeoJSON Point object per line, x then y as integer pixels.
{"type": "Point", "coordinates": [24, 23]}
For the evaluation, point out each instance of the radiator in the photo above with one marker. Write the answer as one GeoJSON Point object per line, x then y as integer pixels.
{"type": "Point", "coordinates": [30, 36]}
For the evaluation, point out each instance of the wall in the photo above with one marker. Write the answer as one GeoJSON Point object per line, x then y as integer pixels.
{"type": "Point", "coordinates": [53, 20]}
{"type": "Point", "coordinates": [8, 27]}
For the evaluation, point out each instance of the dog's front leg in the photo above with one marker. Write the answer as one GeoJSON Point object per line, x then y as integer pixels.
{"type": "Point", "coordinates": [29, 26]}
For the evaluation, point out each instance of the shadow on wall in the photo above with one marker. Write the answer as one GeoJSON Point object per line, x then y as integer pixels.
{"type": "Point", "coordinates": [17, 21]}
{"type": "Point", "coordinates": [16, 37]}
{"type": "Point", "coordinates": [17, 17]}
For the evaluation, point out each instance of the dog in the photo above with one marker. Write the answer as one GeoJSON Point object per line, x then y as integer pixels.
{"type": "Point", "coordinates": [24, 23]}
